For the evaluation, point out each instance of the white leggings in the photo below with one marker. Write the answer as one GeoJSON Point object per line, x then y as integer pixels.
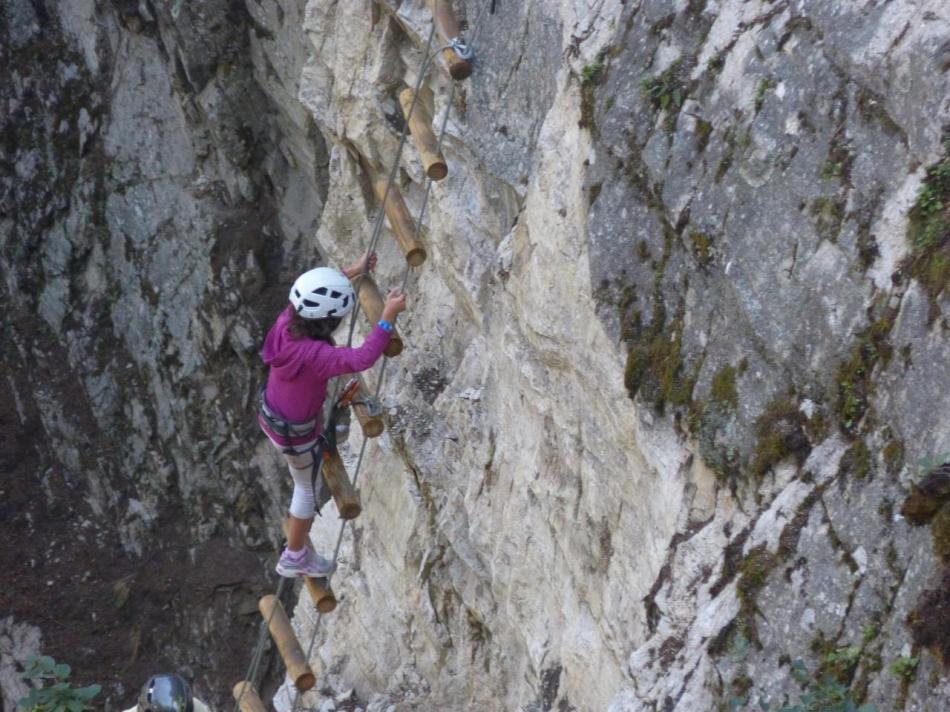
{"type": "Point", "coordinates": [301, 469]}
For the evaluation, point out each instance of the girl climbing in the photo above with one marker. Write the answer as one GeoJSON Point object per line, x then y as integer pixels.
{"type": "Point", "coordinates": [302, 358]}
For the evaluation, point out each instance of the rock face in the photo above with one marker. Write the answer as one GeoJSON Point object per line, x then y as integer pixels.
{"type": "Point", "coordinates": [160, 185]}
{"type": "Point", "coordinates": [673, 364]}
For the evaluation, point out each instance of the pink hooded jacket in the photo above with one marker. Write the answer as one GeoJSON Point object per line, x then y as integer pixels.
{"type": "Point", "coordinates": [300, 369]}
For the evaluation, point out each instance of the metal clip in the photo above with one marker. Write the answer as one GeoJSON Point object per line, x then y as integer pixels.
{"type": "Point", "coordinates": [461, 49]}
{"type": "Point", "coordinates": [373, 408]}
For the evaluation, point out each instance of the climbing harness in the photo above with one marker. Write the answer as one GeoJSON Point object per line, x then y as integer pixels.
{"type": "Point", "coordinates": [344, 396]}
{"type": "Point", "coordinates": [285, 428]}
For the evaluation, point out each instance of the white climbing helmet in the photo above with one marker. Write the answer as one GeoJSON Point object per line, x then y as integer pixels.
{"type": "Point", "coordinates": [322, 293]}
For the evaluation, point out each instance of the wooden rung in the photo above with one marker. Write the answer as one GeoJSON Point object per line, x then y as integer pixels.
{"type": "Point", "coordinates": [319, 588]}
{"type": "Point", "coordinates": [321, 593]}
{"type": "Point", "coordinates": [401, 222]}
{"type": "Point", "coordinates": [247, 697]}
{"type": "Point", "coordinates": [448, 26]}
{"type": "Point", "coordinates": [344, 493]}
{"type": "Point", "coordinates": [287, 645]}
{"type": "Point", "coordinates": [420, 127]}
{"type": "Point", "coordinates": [370, 422]}
{"type": "Point", "coordinates": [371, 300]}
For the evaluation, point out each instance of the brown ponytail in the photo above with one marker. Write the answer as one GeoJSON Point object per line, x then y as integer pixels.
{"type": "Point", "coordinates": [316, 329]}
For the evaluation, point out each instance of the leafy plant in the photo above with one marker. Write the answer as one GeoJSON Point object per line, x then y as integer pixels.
{"type": "Point", "coordinates": [51, 690]}
{"type": "Point", "coordinates": [760, 91]}
{"type": "Point", "coordinates": [930, 462]}
{"type": "Point", "coordinates": [592, 72]}
{"type": "Point", "coordinates": [665, 88]}
{"type": "Point", "coordinates": [818, 695]}
{"type": "Point", "coordinates": [905, 667]}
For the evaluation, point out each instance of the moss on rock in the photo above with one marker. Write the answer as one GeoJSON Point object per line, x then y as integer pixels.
{"type": "Point", "coordinates": [779, 434]}
{"type": "Point", "coordinates": [928, 496]}
{"type": "Point", "coordinates": [929, 229]}
{"type": "Point", "coordinates": [940, 531]}
{"type": "Point", "coordinates": [753, 574]}
{"type": "Point", "coordinates": [655, 366]}
{"type": "Point", "coordinates": [853, 377]}
{"type": "Point", "coordinates": [929, 622]}
{"type": "Point", "coordinates": [702, 247]}
{"type": "Point", "coordinates": [856, 461]}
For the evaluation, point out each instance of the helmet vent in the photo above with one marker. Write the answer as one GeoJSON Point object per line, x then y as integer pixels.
{"type": "Point", "coordinates": [297, 292]}
{"type": "Point", "coordinates": [310, 303]}
{"type": "Point", "coordinates": [322, 291]}
{"type": "Point", "coordinates": [332, 312]}
{"type": "Point", "coordinates": [346, 300]}
{"type": "Point", "coordinates": [335, 294]}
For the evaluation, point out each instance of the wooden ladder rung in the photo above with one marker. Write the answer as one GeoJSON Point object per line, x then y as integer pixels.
{"type": "Point", "coordinates": [401, 222]}
{"type": "Point", "coordinates": [345, 495]}
{"type": "Point", "coordinates": [447, 24]}
{"type": "Point", "coordinates": [371, 300]}
{"type": "Point", "coordinates": [420, 127]}
{"type": "Point", "coordinates": [247, 698]}
{"type": "Point", "coordinates": [298, 669]}
{"type": "Point", "coordinates": [371, 422]}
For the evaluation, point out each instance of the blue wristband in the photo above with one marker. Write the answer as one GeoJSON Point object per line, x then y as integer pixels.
{"type": "Point", "coordinates": [384, 325]}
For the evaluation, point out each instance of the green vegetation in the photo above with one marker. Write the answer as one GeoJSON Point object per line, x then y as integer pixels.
{"type": "Point", "coordinates": [591, 74]}
{"type": "Point", "coordinates": [729, 141]}
{"type": "Point", "coordinates": [828, 214]}
{"type": "Point", "coordinates": [819, 693]}
{"type": "Point", "coordinates": [723, 387]}
{"type": "Point", "coordinates": [840, 158]}
{"type": "Point", "coordinates": [779, 433]}
{"type": "Point", "coordinates": [856, 461]}
{"type": "Point", "coordinates": [655, 364]}
{"type": "Point", "coordinates": [702, 245]}
{"type": "Point", "coordinates": [51, 690]}
{"type": "Point", "coordinates": [893, 454]}
{"type": "Point", "coordinates": [840, 663]}
{"type": "Point", "coordinates": [905, 667]}
{"type": "Point", "coordinates": [871, 108]}
{"type": "Point", "coordinates": [929, 622]}
{"type": "Point", "coordinates": [764, 86]}
{"type": "Point", "coordinates": [666, 90]}
{"type": "Point", "coordinates": [704, 130]}
{"type": "Point", "coordinates": [854, 374]}
{"type": "Point", "coordinates": [753, 573]}
{"type": "Point", "coordinates": [929, 228]}
{"type": "Point", "coordinates": [655, 369]}
{"type": "Point", "coordinates": [713, 423]}
{"type": "Point", "coordinates": [940, 531]}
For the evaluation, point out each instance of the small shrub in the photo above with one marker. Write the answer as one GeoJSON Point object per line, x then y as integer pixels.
{"type": "Point", "coordinates": [779, 433]}
{"type": "Point", "coordinates": [818, 695]}
{"type": "Point", "coordinates": [905, 667]}
{"type": "Point", "coordinates": [929, 228]}
{"type": "Point", "coordinates": [592, 72]}
{"type": "Point", "coordinates": [665, 90]}
{"type": "Point", "coordinates": [52, 691]}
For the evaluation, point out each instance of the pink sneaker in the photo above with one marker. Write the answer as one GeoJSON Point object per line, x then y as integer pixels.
{"type": "Point", "coordinates": [306, 563]}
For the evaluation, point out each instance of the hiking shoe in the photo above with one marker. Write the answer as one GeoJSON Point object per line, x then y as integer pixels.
{"type": "Point", "coordinates": [309, 563]}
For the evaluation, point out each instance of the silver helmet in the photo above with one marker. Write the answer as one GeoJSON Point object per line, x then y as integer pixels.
{"type": "Point", "coordinates": [166, 693]}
